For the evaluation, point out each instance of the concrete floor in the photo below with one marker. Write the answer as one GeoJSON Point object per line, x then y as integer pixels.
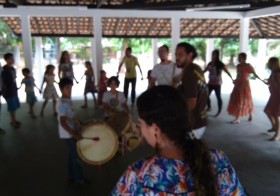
{"type": "Point", "coordinates": [33, 159]}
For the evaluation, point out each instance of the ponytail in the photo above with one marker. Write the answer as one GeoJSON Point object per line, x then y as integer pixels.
{"type": "Point", "coordinates": [197, 156]}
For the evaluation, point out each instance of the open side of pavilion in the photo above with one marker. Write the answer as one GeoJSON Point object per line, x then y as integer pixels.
{"type": "Point", "coordinates": [149, 19]}
{"type": "Point", "coordinates": [255, 159]}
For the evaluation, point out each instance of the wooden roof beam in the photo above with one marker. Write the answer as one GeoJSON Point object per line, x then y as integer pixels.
{"type": "Point", "coordinates": [257, 27]}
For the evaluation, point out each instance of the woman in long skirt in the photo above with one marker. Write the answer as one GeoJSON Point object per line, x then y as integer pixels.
{"type": "Point", "coordinates": [240, 103]}
{"type": "Point", "coordinates": [272, 108]}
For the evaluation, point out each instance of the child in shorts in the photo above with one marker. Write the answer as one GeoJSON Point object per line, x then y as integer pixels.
{"type": "Point", "coordinates": [9, 88]}
{"type": "Point", "coordinates": [29, 83]}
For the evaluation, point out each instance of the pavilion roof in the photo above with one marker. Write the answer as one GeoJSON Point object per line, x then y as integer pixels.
{"type": "Point", "coordinates": [144, 4]}
{"type": "Point", "coordinates": [264, 27]}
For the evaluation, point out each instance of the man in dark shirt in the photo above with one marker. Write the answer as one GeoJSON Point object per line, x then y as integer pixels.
{"type": "Point", "coordinates": [193, 87]}
{"type": "Point", "coordinates": [9, 88]}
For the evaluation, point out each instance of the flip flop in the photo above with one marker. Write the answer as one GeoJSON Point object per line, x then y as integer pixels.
{"type": "Point", "coordinates": [235, 122]}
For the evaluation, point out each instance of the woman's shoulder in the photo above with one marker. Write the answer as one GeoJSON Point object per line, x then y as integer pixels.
{"type": "Point", "coordinates": [217, 155]}
{"type": "Point", "coordinates": [220, 162]}
{"type": "Point", "coordinates": [143, 164]}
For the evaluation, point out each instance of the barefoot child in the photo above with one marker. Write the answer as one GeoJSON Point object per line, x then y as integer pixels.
{"type": "Point", "coordinates": [29, 83]}
{"type": "Point", "coordinates": [50, 91]}
{"type": "Point", "coordinates": [90, 84]}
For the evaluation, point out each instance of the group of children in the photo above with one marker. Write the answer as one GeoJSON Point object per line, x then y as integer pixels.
{"type": "Point", "coordinates": [9, 88]}
{"type": "Point", "coordinates": [112, 101]}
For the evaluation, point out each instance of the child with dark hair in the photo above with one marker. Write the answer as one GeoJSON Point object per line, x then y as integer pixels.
{"type": "Point", "coordinates": [182, 164]}
{"type": "Point", "coordinates": [67, 132]}
{"type": "Point", "coordinates": [49, 91]}
{"type": "Point", "coordinates": [65, 67]}
{"type": "Point", "coordinates": [90, 84]}
{"type": "Point", "coordinates": [113, 100]}
{"type": "Point", "coordinates": [29, 83]}
{"type": "Point", "coordinates": [10, 89]}
{"type": "Point", "coordinates": [102, 86]}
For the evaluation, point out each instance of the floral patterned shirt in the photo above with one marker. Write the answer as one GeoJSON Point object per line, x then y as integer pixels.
{"type": "Point", "coordinates": [161, 176]}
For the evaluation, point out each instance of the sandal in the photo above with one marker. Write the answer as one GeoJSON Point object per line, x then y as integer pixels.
{"type": "Point", "coordinates": [271, 130]}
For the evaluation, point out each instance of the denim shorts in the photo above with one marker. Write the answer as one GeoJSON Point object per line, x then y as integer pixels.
{"type": "Point", "coordinates": [31, 97]}
{"type": "Point", "coordinates": [13, 103]}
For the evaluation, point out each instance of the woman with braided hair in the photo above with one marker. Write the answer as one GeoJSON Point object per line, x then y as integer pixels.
{"type": "Point", "coordinates": [182, 164]}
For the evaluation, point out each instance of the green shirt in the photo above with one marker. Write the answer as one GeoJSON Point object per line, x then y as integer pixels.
{"type": "Point", "coordinates": [130, 64]}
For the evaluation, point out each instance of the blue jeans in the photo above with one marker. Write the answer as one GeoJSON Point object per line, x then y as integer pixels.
{"type": "Point", "coordinates": [75, 170]}
{"type": "Point", "coordinates": [127, 81]}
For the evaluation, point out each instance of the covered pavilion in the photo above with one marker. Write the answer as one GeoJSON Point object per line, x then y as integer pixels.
{"type": "Point", "coordinates": [148, 19]}
{"type": "Point", "coordinates": [32, 159]}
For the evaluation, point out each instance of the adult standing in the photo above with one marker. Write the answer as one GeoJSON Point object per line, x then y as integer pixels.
{"type": "Point", "coordinates": [215, 68]}
{"type": "Point", "coordinates": [193, 86]}
{"type": "Point", "coordinates": [65, 68]}
{"type": "Point", "coordinates": [166, 72]}
{"type": "Point", "coordinates": [130, 63]}
{"type": "Point", "coordinates": [240, 103]}
{"type": "Point", "coordinates": [2, 131]}
{"type": "Point", "coordinates": [272, 108]}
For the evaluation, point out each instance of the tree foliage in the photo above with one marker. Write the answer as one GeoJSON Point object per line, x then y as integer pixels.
{"type": "Point", "coordinates": [199, 44]}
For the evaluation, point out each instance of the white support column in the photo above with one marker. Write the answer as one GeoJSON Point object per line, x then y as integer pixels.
{"type": "Point", "coordinates": [209, 49]}
{"type": "Point", "coordinates": [26, 40]}
{"type": "Point", "coordinates": [39, 59]}
{"type": "Point", "coordinates": [57, 48]}
{"type": "Point", "coordinates": [155, 50]}
{"type": "Point", "coordinates": [96, 46]}
{"type": "Point", "coordinates": [244, 34]}
{"type": "Point", "coordinates": [175, 35]}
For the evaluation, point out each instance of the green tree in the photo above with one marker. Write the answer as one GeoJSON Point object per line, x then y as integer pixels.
{"type": "Point", "coordinates": [228, 47]}
{"type": "Point", "coordinates": [253, 46]}
{"type": "Point", "coordinates": [199, 44]}
{"type": "Point", "coordinates": [273, 48]}
{"type": "Point", "coordinates": [7, 38]}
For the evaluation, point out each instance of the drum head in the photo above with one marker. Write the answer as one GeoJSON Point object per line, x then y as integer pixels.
{"type": "Point", "coordinates": [99, 144]}
{"type": "Point", "coordinates": [119, 122]}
